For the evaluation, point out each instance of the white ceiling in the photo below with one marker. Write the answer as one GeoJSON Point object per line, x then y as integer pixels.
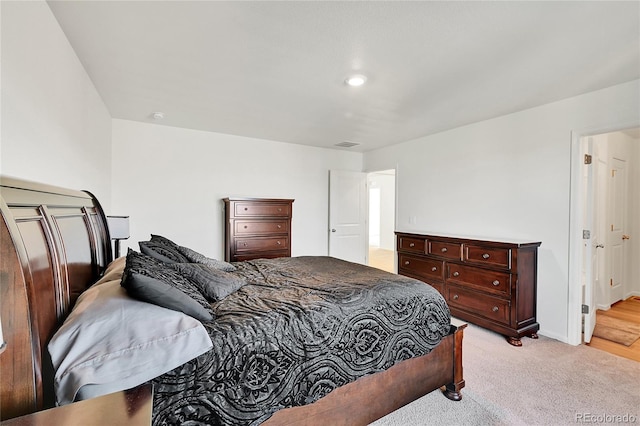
{"type": "Point", "coordinates": [276, 70]}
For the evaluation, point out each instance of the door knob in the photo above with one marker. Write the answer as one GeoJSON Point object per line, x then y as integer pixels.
{"type": "Point", "coordinates": [625, 237]}
{"type": "Point", "coordinates": [600, 246]}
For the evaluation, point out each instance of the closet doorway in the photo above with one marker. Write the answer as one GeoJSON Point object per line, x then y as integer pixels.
{"type": "Point", "coordinates": [382, 219]}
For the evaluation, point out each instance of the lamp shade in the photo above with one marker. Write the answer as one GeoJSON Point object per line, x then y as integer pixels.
{"type": "Point", "coordinates": [118, 227]}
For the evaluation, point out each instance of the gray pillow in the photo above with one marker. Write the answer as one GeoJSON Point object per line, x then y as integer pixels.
{"type": "Point", "coordinates": [150, 280]}
{"type": "Point", "coordinates": [177, 254]}
{"type": "Point", "coordinates": [163, 240]}
{"type": "Point", "coordinates": [163, 252]}
{"type": "Point", "coordinates": [196, 257]}
{"type": "Point", "coordinates": [213, 283]}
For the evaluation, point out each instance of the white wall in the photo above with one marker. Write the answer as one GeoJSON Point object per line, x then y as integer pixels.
{"type": "Point", "coordinates": [171, 181]}
{"type": "Point", "coordinates": [508, 177]}
{"type": "Point", "coordinates": [50, 108]}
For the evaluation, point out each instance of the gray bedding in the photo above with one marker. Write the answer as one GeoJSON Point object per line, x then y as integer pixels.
{"type": "Point", "coordinates": [302, 327]}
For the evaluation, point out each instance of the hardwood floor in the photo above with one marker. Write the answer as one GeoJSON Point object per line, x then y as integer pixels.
{"type": "Point", "coordinates": [381, 259]}
{"type": "Point", "coordinates": [628, 310]}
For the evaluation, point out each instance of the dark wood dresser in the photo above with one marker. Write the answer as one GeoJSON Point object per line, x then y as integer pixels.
{"type": "Point", "coordinates": [257, 228]}
{"type": "Point", "coordinates": [488, 283]}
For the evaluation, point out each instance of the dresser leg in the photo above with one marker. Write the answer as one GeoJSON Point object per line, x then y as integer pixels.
{"type": "Point", "coordinates": [515, 341]}
{"type": "Point", "coordinates": [533, 335]}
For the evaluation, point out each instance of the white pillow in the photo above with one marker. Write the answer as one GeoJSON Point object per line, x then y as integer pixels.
{"type": "Point", "coordinates": [112, 342]}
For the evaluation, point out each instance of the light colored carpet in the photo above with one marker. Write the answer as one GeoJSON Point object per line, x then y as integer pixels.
{"type": "Point", "coordinates": [544, 382]}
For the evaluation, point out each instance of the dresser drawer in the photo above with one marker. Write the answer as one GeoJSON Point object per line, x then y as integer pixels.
{"type": "Point", "coordinates": [491, 281]}
{"type": "Point", "coordinates": [490, 307]}
{"type": "Point", "coordinates": [423, 267]}
{"type": "Point", "coordinates": [444, 249]}
{"type": "Point", "coordinates": [260, 227]}
{"type": "Point", "coordinates": [415, 245]}
{"type": "Point", "coordinates": [248, 209]}
{"type": "Point", "coordinates": [261, 244]}
{"type": "Point", "coordinates": [492, 256]}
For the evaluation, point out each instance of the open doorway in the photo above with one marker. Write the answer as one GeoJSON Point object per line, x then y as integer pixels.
{"type": "Point", "coordinates": [615, 282]}
{"type": "Point", "coordinates": [381, 228]}
{"type": "Point", "coordinates": [610, 206]}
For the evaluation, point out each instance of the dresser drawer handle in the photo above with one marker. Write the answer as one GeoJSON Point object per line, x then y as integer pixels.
{"type": "Point", "coordinates": [412, 245]}
{"type": "Point", "coordinates": [443, 249]}
{"type": "Point", "coordinates": [495, 309]}
{"type": "Point", "coordinates": [434, 268]}
{"type": "Point", "coordinates": [485, 256]}
{"type": "Point", "coordinates": [244, 244]}
{"type": "Point", "coordinates": [245, 227]}
{"type": "Point", "coordinates": [278, 243]}
{"type": "Point", "coordinates": [456, 297]}
{"type": "Point", "coordinates": [279, 226]}
{"type": "Point", "coordinates": [456, 273]}
{"type": "Point", "coordinates": [279, 209]}
{"type": "Point", "coordinates": [496, 283]}
{"type": "Point", "coordinates": [406, 262]}
{"type": "Point", "coordinates": [246, 208]}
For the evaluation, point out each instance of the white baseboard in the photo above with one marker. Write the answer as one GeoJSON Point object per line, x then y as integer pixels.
{"type": "Point", "coordinates": [555, 336]}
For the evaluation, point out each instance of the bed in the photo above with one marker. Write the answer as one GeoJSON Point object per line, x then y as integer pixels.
{"type": "Point", "coordinates": [55, 247]}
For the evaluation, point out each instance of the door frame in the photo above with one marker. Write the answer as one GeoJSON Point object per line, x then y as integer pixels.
{"type": "Point", "coordinates": [576, 213]}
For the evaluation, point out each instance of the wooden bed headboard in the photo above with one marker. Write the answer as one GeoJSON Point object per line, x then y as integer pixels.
{"type": "Point", "coordinates": [54, 243]}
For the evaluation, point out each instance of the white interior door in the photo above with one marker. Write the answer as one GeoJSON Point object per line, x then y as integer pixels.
{"type": "Point", "coordinates": [618, 188]}
{"type": "Point", "coordinates": [348, 215]}
{"type": "Point", "coordinates": [599, 232]}
{"type": "Point", "coordinates": [595, 247]}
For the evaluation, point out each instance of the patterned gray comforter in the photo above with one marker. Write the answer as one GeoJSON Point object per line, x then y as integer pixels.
{"type": "Point", "coordinates": [302, 327]}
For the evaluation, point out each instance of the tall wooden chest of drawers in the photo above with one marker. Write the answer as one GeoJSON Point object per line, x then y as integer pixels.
{"type": "Point", "coordinates": [488, 283]}
{"type": "Point", "coordinates": [257, 228]}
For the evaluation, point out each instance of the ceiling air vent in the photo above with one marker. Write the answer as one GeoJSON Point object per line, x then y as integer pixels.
{"type": "Point", "coordinates": [346, 144]}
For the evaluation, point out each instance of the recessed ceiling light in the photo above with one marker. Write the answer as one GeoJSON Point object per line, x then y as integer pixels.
{"type": "Point", "coordinates": [356, 80]}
